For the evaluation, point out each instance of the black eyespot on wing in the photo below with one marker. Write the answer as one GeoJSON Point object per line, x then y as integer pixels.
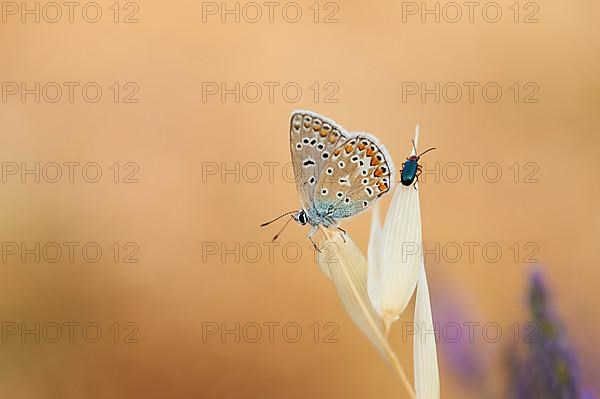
{"type": "Point", "coordinates": [325, 155]}
{"type": "Point", "coordinates": [309, 162]}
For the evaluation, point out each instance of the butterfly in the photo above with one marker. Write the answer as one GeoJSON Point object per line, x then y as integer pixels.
{"type": "Point", "coordinates": [338, 174]}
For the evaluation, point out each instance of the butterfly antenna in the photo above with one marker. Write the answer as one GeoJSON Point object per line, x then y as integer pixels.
{"type": "Point", "coordinates": [280, 231]}
{"type": "Point", "coordinates": [276, 219]}
{"type": "Point", "coordinates": [432, 148]}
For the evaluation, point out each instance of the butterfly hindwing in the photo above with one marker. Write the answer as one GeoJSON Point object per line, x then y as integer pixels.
{"type": "Point", "coordinates": [313, 139]}
{"type": "Point", "coordinates": [359, 171]}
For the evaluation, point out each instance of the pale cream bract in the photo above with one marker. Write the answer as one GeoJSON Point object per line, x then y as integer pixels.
{"type": "Point", "coordinates": [376, 295]}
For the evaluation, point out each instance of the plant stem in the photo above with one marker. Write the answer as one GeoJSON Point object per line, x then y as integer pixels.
{"type": "Point", "coordinates": [379, 334]}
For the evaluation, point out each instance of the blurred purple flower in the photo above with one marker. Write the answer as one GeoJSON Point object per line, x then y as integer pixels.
{"type": "Point", "coordinates": [549, 368]}
{"type": "Point", "coordinates": [544, 367]}
{"type": "Point", "coordinates": [588, 395]}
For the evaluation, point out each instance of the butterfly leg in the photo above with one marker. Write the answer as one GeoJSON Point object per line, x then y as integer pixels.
{"type": "Point", "coordinates": [343, 233]}
{"type": "Point", "coordinates": [311, 233]}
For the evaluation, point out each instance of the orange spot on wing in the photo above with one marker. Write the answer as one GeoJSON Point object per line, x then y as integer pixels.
{"type": "Point", "coordinates": [322, 133]}
{"type": "Point", "coordinates": [370, 152]}
{"type": "Point", "coordinates": [361, 146]}
{"type": "Point", "coordinates": [349, 148]}
{"type": "Point", "coordinates": [378, 172]}
{"type": "Point", "coordinates": [383, 187]}
{"type": "Point", "coordinates": [374, 161]}
{"type": "Point", "coordinates": [337, 152]}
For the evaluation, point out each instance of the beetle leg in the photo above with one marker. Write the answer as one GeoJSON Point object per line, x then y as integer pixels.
{"type": "Point", "coordinates": [416, 181]}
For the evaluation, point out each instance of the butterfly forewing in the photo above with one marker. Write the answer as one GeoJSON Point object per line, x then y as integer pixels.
{"type": "Point", "coordinates": [359, 172]}
{"type": "Point", "coordinates": [313, 139]}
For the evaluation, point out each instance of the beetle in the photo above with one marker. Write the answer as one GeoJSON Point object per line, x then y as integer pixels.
{"type": "Point", "coordinates": [411, 168]}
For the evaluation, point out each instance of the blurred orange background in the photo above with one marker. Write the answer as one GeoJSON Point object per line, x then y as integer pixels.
{"type": "Point", "coordinates": [194, 151]}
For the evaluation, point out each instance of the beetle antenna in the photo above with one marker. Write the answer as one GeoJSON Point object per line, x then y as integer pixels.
{"type": "Point", "coordinates": [277, 218]}
{"type": "Point", "coordinates": [283, 228]}
{"type": "Point", "coordinates": [432, 148]}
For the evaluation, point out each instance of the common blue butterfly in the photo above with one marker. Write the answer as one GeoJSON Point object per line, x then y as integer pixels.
{"type": "Point", "coordinates": [338, 174]}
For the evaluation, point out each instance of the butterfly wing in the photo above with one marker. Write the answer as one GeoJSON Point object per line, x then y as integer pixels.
{"type": "Point", "coordinates": [312, 141]}
{"type": "Point", "coordinates": [359, 172]}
